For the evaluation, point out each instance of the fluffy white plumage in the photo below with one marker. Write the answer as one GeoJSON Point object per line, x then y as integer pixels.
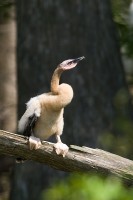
{"type": "Point", "coordinates": [32, 107]}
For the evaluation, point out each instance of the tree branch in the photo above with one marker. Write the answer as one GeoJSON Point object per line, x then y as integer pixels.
{"type": "Point", "coordinates": [78, 159]}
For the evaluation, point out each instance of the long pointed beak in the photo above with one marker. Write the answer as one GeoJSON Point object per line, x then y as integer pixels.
{"type": "Point", "coordinates": [76, 60]}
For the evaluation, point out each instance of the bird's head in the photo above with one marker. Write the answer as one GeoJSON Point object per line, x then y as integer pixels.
{"type": "Point", "coordinates": [69, 64]}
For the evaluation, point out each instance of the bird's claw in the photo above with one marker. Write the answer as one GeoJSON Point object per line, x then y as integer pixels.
{"type": "Point", "coordinates": [34, 143]}
{"type": "Point", "coordinates": [61, 148]}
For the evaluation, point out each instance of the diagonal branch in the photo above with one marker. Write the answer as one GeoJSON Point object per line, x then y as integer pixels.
{"type": "Point", "coordinates": [78, 159]}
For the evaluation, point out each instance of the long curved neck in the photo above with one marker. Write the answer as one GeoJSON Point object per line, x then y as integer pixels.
{"type": "Point", "coordinates": [55, 80]}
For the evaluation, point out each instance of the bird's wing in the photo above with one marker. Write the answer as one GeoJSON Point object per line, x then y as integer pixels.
{"type": "Point", "coordinates": [29, 118]}
{"type": "Point", "coordinates": [28, 130]}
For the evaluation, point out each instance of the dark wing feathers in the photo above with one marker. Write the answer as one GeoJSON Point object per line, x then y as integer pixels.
{"type": "Point", "coordinates": [28, 131]}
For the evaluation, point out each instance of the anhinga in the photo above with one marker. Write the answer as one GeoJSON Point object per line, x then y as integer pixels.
{"type": "Point", "coordinates": [44, 114]}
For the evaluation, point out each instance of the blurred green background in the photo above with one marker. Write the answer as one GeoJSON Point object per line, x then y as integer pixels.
{"type": "Point", "coordinates": [92, 186]}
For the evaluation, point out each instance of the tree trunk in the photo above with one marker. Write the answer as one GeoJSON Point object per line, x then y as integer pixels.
{"type": "Point", "coordinates": [8, 99]}
{"type": "Point", "coordinates": [48, 33]}
{"type": "Point", "coordinates": [8, 72]}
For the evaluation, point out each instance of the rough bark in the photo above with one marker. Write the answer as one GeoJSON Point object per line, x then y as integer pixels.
{"type": "Point", "coordinates": [8, 97]}
{"type": "Point", "coordinates": [78, 159]}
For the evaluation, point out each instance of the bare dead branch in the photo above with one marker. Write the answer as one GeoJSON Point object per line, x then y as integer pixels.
{"type": "Point", "coordinates": [78, 159]}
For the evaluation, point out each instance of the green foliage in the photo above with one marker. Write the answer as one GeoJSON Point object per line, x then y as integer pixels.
{"type": "Point", "coordinates": [86, 187]}
{"type": "Point", "coordinates": [121, 13]}
{"type": "Point", "coordinates": [120, 10]}
{"type": "Point", "coordinates": [4, 9]}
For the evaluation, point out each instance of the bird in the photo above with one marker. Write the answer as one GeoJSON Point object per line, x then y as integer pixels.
{"type": "Point", "coordinates": [44, 113]}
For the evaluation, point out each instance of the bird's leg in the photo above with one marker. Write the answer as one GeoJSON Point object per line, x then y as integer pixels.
{"type": "Point", "coordinates": [60, 148]}
{"type": "Point", "coordinates": [34, 142]}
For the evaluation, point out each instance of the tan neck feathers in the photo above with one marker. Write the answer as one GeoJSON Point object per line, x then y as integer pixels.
{"type": "Point", "coordinates": [55, 80]}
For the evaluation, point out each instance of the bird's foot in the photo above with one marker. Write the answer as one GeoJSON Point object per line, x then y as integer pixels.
{"type": "Point", "coordinates": [61, 148]}
{"type": "Point", "coordinates": [34, 143]}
